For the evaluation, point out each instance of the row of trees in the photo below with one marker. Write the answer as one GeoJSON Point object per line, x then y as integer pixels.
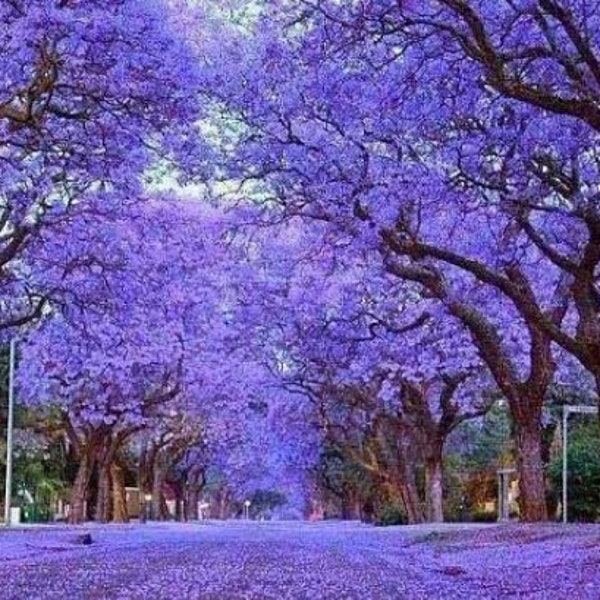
{"type": "Point", "coordinates": [452, 146]}
{"type": "Point", "coordinates": [108, 292]}
{"type": "Point", "coordinates": [399, 224]}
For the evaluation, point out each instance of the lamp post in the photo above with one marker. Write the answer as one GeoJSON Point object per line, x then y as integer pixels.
{"type": "Point", "coordinates": [247, 509]}
{"type": "Point", "coordinates": [9, 435]}
{"type": "Point", "coordinates": [147, 507]}
{"type": "Point", "coordinates": [503, 493]}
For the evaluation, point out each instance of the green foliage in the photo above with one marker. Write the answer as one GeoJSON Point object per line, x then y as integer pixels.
{"type": "Point", "coordinates": [345, 482]}
{"type": "Point", "coordinates": [583, 473]}
{"type": "Point", "coordinates": [474, 452]}
{"type": "Point", "coordinates": [483, 516]}
{"type": "Point", "coordinates": [487, 443]}
{"type": "Point", "coordinates": [39, 461]}
{"type": "Point", "coordinates": [263, 502]}
{"type": "Point", "coordinates": [455, 496]}
{"type": "Point", "coordinates": [342, 476]}
{"type": "Point", "coordinates": [36, 513]}
{"type": "Point", "coordinates": [390, 514]}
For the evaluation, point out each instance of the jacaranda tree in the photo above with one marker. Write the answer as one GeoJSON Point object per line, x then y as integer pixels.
{"type": "Point", "coordinates": [92, 95]}
{"type": "Point", "coordinates": [427, 132]}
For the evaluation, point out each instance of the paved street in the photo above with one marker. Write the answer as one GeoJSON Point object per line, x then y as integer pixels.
{"type": "Point", "coordinates": [237, 560]}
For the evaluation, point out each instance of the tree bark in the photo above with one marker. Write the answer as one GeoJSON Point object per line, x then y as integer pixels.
{"type": "Point", "coordinates": [79, 492]}
{"type": "Point", "coordinates": [179, 500]}
{"type": "Point", "coordinates": [351, 510]}
{"type": "Point", "coordinates": [223, 504]}
{"type": "Point", "coordinates": [192, 498]}
{"type": "Point", "coordinates": [119, 496]}
{"type": "Point", "coordinates": [434, 490]}
{"type": "Point", "coordinates": [158, 509]}
{"type": "Point", "coordinates": [405, 474]}
{"type": "Point", "coordinates": [102, 511]}
{"type": "Point", "coordinates": [412, 504]}
{"type": "Point", "coordinates": [192, 494]}
{"type": "Point", "coordinates": [525, 398]}
{"type": "Point", "coordinates": [402, 488]}
{"type": "Point", "coordinates": [530, 469]}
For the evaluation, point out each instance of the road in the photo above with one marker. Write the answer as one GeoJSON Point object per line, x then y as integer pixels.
{"type": "Point", "coordinates": [337, 561]}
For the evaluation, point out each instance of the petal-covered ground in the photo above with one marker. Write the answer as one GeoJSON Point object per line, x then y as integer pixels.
{"type": "Point", "coordinates": [250, 560]}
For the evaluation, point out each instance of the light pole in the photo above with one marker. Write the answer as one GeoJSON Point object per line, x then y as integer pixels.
{"type": "Point", "coordinates": [247, 509]}
{"type": "Point", "coordinates": [9, 434]}
{"type": "Point", "coordinates": [147, 507]}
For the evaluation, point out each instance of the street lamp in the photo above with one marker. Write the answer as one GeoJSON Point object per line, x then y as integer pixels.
{"type": "Point", "coordinates": [147, 506]}
{"type": "Point", "coordinates": [9, 435]}
{"type": "Point", "coordinates": [246, 509]}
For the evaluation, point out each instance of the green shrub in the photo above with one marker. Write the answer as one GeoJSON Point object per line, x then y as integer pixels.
{"type": "Point", "coordinates": [583, 473]}
{"type": "Point", "coordinates": [484, 516]}
{"type": "Point", "coordinates": [389, 514]}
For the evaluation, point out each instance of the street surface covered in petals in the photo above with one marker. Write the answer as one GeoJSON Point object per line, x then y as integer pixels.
{"type": "Point", "coordinates": [329, 560]}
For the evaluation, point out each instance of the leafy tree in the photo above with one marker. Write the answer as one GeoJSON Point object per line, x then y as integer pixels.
{"type": "Point", "coordinates": [349, 489]}
{"type": "Point", "coordinates": [361, 120]}
{"type": "Point", "coordinates": [93, 95]}
{"type": "Point", "coordinates": [583, 477]}
{"type": "Point", "coordinates": [264, 502]}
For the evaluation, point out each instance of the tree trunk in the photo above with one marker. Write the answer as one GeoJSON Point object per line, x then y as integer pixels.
{"type": "Point", "coordinates": [179, 501]}
{"type": "Point", "coordinates": [412, 504]}
{"type": "Point", "coordinates": [315, 510]}
{"type": "Point", "coordinates": [404, 490]}
{"type": "Point", "coordinates": [192, 497]}
{"type": "Point", "coordinates": [102, 512]}
{"type": "Point", "coordinates": [143, 482]}
{"type": "Point", "coordinates": [404, 478]}
{"type": "Point", "coordinates": [434, 490]}
{"type": "Point", "coordinates": [351, 507]}
{"type": "Point", "coordinates": [104, 499]}
{"type": "Point", "coordinates": [195, 483]}
{"type": "Point", "coordinates": [223, 505]}
{"type": "Point", "coordinates": [525, 396]}
{"type": "Point", "coordinates": [158, 510]}
{"type": "Point", "coordinates": [396, 454]}
{"type": "Point", "coordinates": [79, 492]}
{"type": "Point", "coordinates": [530, 469]}
{"type": "Point", "coordinates": [119, 496]}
